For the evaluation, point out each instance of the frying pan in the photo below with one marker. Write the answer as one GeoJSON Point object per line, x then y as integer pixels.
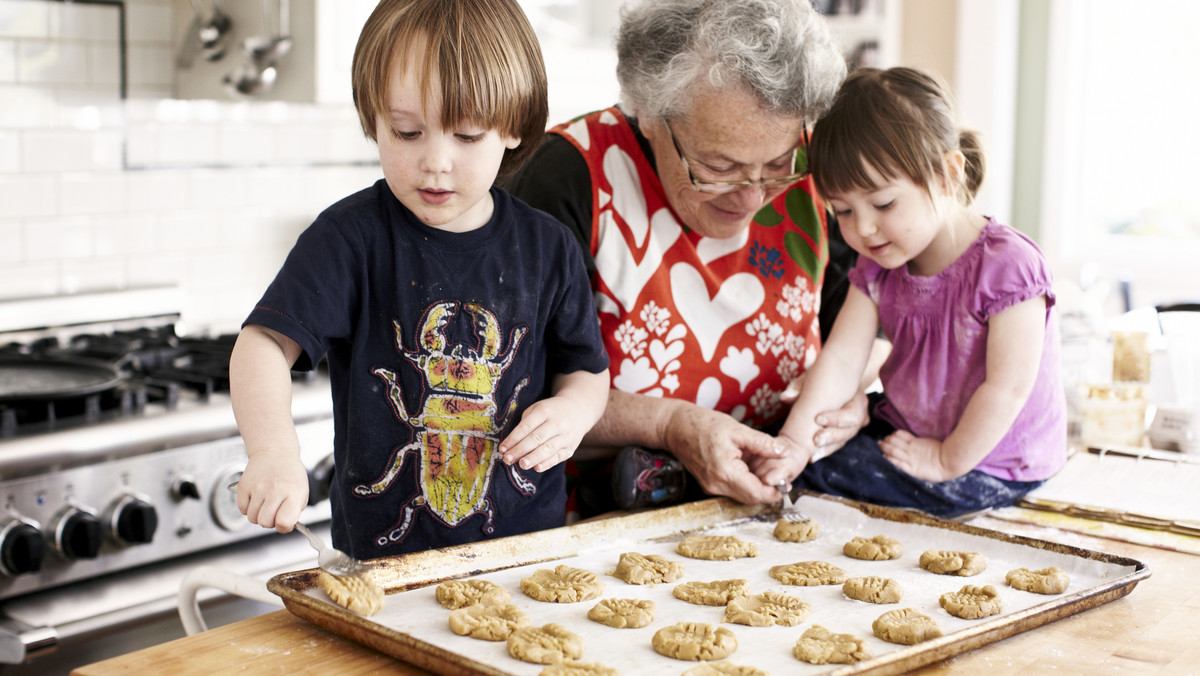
{"type": "Point", "coordinates": [41, 378]}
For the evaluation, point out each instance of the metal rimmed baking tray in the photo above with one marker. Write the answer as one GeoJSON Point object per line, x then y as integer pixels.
{"type": "Point", "coordinates": [413, 627]}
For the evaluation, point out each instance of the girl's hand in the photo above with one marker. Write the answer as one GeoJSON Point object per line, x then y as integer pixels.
{"type": "Point", "coordinates": [549, 432]}
{"type": "Point", "coordinates": [273, 489]}
{"type": "Point", "coordinates": [835, 428]}
{"type": "Point", "coordinates": [919, 456]}
{"type": "Point", "coordinates": [785, 467]}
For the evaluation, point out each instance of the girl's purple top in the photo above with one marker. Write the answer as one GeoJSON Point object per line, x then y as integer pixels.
{"type": "Point", "coordinates": [938, 327]}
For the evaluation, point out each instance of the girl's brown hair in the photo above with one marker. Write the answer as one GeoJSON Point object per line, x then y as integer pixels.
{"type": "Point", "coordinates": [898, 122]}
{"type": "Point", "coordinates": [484, 53]}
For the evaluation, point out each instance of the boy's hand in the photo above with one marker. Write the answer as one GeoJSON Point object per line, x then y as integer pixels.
{"type": "Point", "coordinates": [549, 432]}
{"type": "Point", "coordinates": [273, 489]}
{"type": "Point", "coordinates": [919, 456]}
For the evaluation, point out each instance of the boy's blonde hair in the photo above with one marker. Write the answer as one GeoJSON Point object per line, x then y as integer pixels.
{"type": "Point", "coordinates": [899, 122]}
{"type": "Point", "coordinates": [485, 54]}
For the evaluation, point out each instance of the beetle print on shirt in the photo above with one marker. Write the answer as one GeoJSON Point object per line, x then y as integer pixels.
{"type": "Point", "coordinates": [457, 430]}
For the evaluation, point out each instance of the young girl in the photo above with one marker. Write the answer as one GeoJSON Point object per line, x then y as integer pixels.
{"type": "Point", "coordinates": [464, 352]}
{"type": "Point", "coordinates": [973, 413]}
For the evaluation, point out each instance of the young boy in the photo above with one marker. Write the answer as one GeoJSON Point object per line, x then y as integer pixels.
{"type": "Point", "coordinates": [448, 310]}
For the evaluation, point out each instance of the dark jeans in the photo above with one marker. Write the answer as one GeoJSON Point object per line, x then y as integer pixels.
{"type": "Point", "coordinates": [860, 472]}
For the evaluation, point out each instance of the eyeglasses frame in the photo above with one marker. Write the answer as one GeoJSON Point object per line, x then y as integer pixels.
{"type": "Point", "coordinates": [726, 187]}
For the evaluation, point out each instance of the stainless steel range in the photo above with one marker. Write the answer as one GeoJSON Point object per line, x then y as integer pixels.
{"type": "Point", "coordinates": [117, 442]}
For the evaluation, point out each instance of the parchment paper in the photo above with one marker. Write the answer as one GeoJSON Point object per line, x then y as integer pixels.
{"type": "Point", "coordinates": [417, 612]}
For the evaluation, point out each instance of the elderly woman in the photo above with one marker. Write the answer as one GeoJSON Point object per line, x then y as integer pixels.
{"type": "Point", "coordinates": [708, 248]}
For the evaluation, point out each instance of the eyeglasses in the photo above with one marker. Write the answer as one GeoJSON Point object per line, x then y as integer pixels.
{"type": "Point", "coordinates": [799, 159]}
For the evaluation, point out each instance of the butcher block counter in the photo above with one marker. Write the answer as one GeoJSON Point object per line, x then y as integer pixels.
{"type": "Point", "coordinates": [1155, 629]}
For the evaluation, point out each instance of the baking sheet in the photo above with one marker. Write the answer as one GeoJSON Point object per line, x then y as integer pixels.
{"type": "Point", "coordinates": [414, 627]}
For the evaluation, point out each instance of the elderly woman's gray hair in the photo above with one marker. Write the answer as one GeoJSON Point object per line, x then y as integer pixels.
{"type": "Point", "coordinates": [781, 50]}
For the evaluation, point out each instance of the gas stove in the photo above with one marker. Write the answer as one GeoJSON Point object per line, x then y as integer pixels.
{"type": "Point", "coordinates": [118, 443]}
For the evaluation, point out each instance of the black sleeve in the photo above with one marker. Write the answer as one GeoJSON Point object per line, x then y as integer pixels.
{"type": "Point", "coordinates": [837, 282]}
{"type": "Point", "coordinates": [556, 180]}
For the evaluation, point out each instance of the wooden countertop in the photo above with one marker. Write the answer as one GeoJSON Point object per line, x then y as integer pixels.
{"type": "Point", "coordinates": [1153, 630]}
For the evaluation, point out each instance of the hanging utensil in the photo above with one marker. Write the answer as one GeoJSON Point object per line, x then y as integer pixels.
{"type": "Point", "coordinates": [258, 75]}
{"type": "Point", "coordinates": [208, 37]}
{"type": "Point", "coordinates": [214, 34]}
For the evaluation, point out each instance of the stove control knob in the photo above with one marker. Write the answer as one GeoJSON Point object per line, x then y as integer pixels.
{"type": "Point", "coordinates": [22, 547]}
{"type": "Point", "coordinates": [133, 520]}
{"type": "Point", "coordinates": [185, 488]}
{"type": "Point", "coordinates": [78, 534]}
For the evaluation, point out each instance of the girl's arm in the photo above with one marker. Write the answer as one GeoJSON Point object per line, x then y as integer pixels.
{"type": "Point", "coordinates": [1014, 355]}
{"type": "Point", "coordinates": [274, 487]}
{"type": "Point", "coordinates": [831, 381]}
{"type": "Point", "coordinates": [551, 429]}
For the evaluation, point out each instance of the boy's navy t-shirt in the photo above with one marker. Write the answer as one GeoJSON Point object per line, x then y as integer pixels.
{"type": "Point", "coordinates": [436, 343]}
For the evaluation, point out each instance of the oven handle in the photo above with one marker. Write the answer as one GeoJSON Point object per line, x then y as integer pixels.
{"type": "Point", "coordinates": [219, 578]}
{"type": "Point", "coordinates": [20, 641]}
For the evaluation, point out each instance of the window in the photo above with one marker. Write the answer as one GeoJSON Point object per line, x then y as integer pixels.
{"type": "Point", "coordinates": [1122, 160]}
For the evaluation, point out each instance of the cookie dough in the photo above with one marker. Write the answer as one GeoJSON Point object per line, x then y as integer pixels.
{"type": "Point", "coordinates": [972, 602]}
{"type": "Point", "coordinates": [873, 589]}
{"type": "Point", "coordinates": [878, 548]}
{"type": "Point", "coordinates": [767, 609]}
{"type": "Point", "coordinates": [488, 621]}
{"type": "Point", "coordinates": [455, 594]}
{"type": "Point", "coordinates": [818, 645]}
{"type": "Point", "coordinates": [1052, 580]}
{"type": "Point", "coordinates": [637, 568]}
{"type": "Point", "coordinates": [906, 626]}
{"type": "Point", "coordinates": [694, 641]}
{"type": "Point", "coordinates": [715, 547]}
{"type": "Point", "coordinates": [796, 529]}
{"type": "Point", "coordinates": [573, 668]}
{"type": "Point", "coordinates": [546, 644]}
{"type": "Point", "coordinates": [953, 563]}
{"type": "Point", "coordinates": [623, 613]}
{"type": "Point", "coordinates": [809, 573]}
{"type": "Point", "coordinates": [723, 668]}
{"type": "Point", "coordinates": [355, 593]}
{"type": "Point", "coordinates": [715, 593]}
{"type": "Point", "coordinates": [564, 584]}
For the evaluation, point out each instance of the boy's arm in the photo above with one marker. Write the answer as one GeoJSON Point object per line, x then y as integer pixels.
{"type": "Point", "coordinates": [1014, 355]}
{"type": "Point", "coordinates": [274, 486]}
{"type": "Point", "coordinates": [831, 381]}
{"type": "Point", "coordinates": [551, 429]}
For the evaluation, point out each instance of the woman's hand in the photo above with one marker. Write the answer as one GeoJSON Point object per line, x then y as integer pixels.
{"type": "Point", "coordinates": [716, 449]}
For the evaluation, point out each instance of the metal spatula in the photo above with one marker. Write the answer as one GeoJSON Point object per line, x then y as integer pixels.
{"type": "Point", "coordinates": [328, 558]}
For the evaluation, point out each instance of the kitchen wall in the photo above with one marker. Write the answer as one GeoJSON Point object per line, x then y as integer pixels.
{"type": "Point", "coordinates": [98, 193]}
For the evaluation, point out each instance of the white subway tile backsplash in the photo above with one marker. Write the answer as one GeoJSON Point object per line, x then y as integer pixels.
{"type": "Point", "coordinates": [125, 234]}
{"type": "Point", "coordinates": [156, 191]}
{"type": "Point", "coordinates": [151, 65]}
{"type": "Point", "coordinates": [29, 280]}
{"type": "Point", "coordinates": [10, 152]}
{"type": "Point", "coordinates": [93, 193]}
{"type": "Point", "coordinates": [58, 239]}
{"type": "Point", "coordinates": [8, 61]}
{"type": "Point", "coordinates": [28, 195]}
{"type": "Point", "coordinates": [95, 274]}
{"type": "Point", "coordinates": [71, 150]}
{"type": "Point", "coordinates": [46, 62]}
{"type": "Point", "coordinates": [25, 19]}
{"type": "Point", "coordinates": [98, 192]}
{"type": "Point", "coordinates": [187, 144]}
{"type": "Point", "coordinates": [12, 243]}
